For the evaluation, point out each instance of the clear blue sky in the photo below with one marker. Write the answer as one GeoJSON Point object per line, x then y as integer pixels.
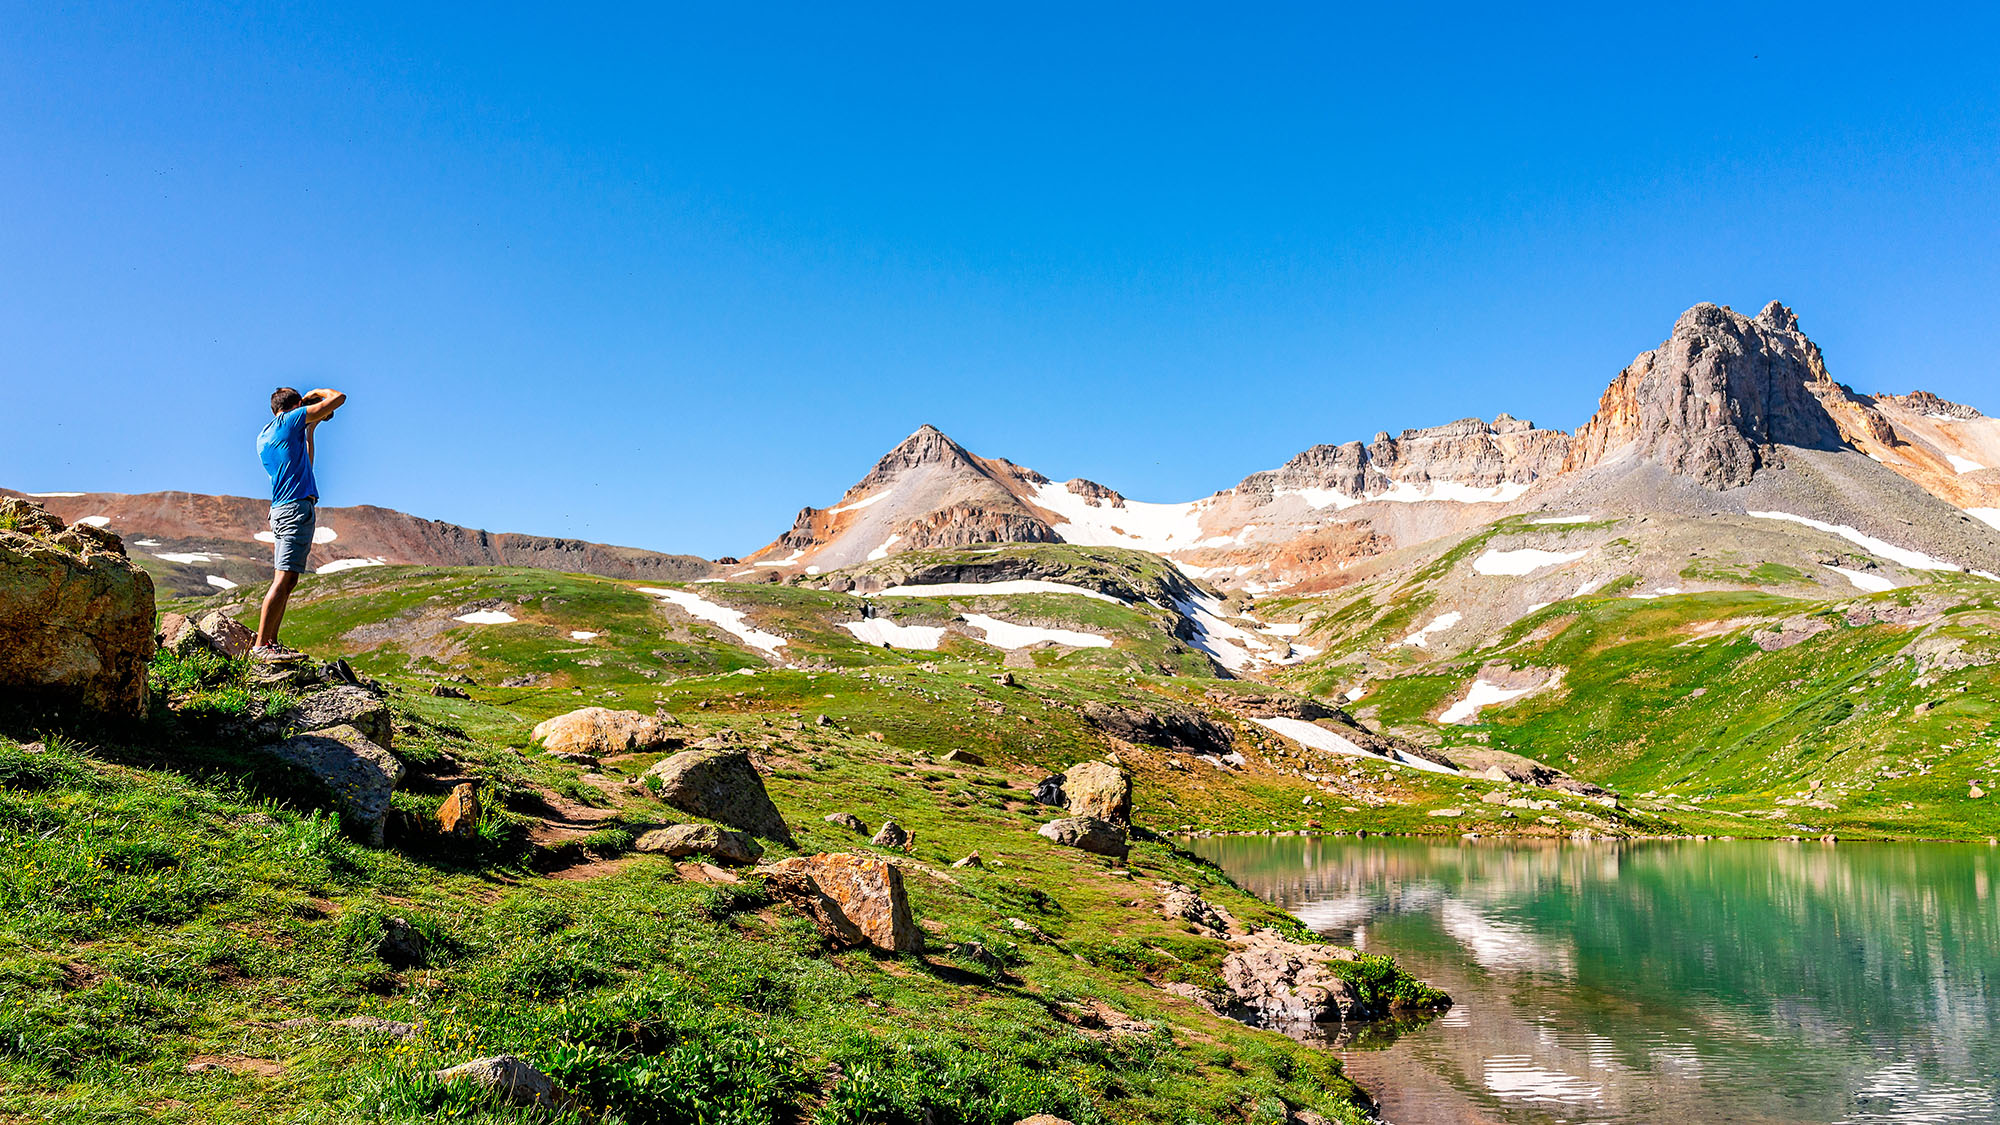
{"type": "Point", "coordinates": [661, 278]}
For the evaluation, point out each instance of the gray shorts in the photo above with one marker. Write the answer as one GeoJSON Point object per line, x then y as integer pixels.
{"type": "Point", "coordinates": [292, 524]}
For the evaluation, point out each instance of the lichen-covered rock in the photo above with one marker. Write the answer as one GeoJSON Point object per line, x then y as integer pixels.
{"type": "Point", "coordinates": [891, 835]}
{"type": "Point", "coordinates": [681, 840]}
{"type": "Point", "coordinates": [225, 634]}
{"type": "Point", "coordinates": [341, 705]}
{"type": "Point", "coordinates": [1186, 904]}
{"type": "Point", "coordinates": [356, 770]}
{"type": "Point", "coordinates": [1098, 789]}
{"type": "Point", "coordinates": [1088, 833]}
{"type": "Point", "coordinates": [510, 1077]}
{"type": "Point", "coordinates": [76, 616]}
{"type": "Point", "coordinates": [718, 785]}
{"type": "Point", "coordinates": [853, 899]}
{"type": "Point", "coordinates": [1284, 982]}
{"type": "Point", "coordinates": [600, 732]}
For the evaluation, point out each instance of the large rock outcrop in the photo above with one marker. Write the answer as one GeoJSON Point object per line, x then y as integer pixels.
{"type": "Point", "coordinates": [1280, 982]}
{"type": "Point", "coordinates": [1718, 400]}
{"type": "Point", "coordinates": [720, 785]}
{"type": "Point", "coordinates": [855, 900]}
{"type": "Point", "coordinates": [76, 615]}
{"type": "Point", "coordinates": [1090, 834]}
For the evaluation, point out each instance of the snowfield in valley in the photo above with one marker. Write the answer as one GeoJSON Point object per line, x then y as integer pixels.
{"type": "Point", "coordinates": [734, 621]}
{"type": "Point", "coordinates": [882, 631]}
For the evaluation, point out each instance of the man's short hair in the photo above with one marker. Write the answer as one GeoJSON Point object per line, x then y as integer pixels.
{"type": "Point", "coordinates": [283, 399]}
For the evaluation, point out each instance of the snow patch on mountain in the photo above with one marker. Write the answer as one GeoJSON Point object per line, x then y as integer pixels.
{"type": "Point", "coordinates": [338, 565]}
{"type": "Point", "coordinates": [882, 631]}
{"type": "Point", "coordinates": [1483, 694]}
{"type": "Point", "coordinates": [1525, 560]}
{"type": "Point", "coordinates": [1915, 560]}
{"type": "Point", "coordinates": [786, 561]}
{"type": "Point", "coordinates": [95, 521]}
{"type": "Point", "coordinates": [1227, 643]}
{"type": "Point", "coordinates": [1320, 738]}
{"type": "Point", "coordinates": [220, 583]}
{"type": "Point", "coordinates": [731, 620]}
{"type": "Point", "coordinates": [1088, 522]}
{"type": "Point", "coordinates": [976, 589]}
{"type": "Point", "coordinates": [1008, 635]}
{"type": "Point", "coordinates": [583, 635]}
{"type": "Point", "coordinates": [1563, 519]}
{"type": "Point", "coordinates": [1442, 622]}
{"type": "Point", "coordinates": [1862, 580]}
{"type": "Point", "coordinates": [486, 617]}
{"type": "Point", "coordinates": [882, 552]}
{"type": "Point", "coordinates": [1409, 492]}
{"type": "Point", "coordinates": [858, 504]}
{"type": "Point", "coordinates": [1963, 464]}
{"type": "Point", "coordinates": [189, 558]}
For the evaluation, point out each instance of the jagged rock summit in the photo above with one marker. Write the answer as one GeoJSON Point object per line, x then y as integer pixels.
{"type": "Point", "coordinates": [1720, 399]}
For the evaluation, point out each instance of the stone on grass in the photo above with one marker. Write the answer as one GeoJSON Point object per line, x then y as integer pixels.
{"type": "Point", "coordinates": [718, 785]}
{"type": "Point", "coordinates": [401, 946]}
{"type": "Point", "coordinates": [225, 634]}
{"type": "Point", "coordinates": [891, 835]}
{"type": "Point", "coordinates": [449, 691]}
{"type": "Point", "coordinates": [1088, 833]}
{"type": "Point", "coordinates": [601, 732]}
{"type": "Point", "coordinates": [355, 769]}
{"type": "Point", "coordinates": [964, 758]}
{"type": "Point", "coordinates": [76, 615]}
{"type": "Point", "coordinates": [1098, 789]}
{"type": "Point", "coordinates": [1042, 1119]}
{"type": "Point", "coordinates": [510, 1077]}
{"type": "Point", "coordinates": [855, 900]}
{"type": "Point", "coordinates": [459, 815]}
{"type": "Point", "coordinates": [972, 860]}
{"type": "Point", "coordinates": [681, 840]}
{"type": "Point", "coordinates": [846, 820]}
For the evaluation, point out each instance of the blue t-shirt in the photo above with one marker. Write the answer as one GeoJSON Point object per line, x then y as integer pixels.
{"type": "Point", "coordinates": [282, 446]}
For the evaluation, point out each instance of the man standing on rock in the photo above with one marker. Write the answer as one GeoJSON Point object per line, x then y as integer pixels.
{"type": "Point", "coordinates": [286, 448]}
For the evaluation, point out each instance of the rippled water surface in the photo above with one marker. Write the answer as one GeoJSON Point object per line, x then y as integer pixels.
{"type": "Point", "coordinates": [1689, 983]}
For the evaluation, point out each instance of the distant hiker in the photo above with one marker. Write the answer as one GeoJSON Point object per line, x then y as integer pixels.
{"type": "Point", "coordinates": [286, 447]}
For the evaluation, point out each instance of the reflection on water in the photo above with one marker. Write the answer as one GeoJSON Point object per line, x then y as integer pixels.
{"type": "Point", "coordinates": [1739, 982]}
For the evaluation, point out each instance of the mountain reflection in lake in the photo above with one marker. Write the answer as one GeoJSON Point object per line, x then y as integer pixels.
{"type": "Point", "coordinates": [1739, 982]}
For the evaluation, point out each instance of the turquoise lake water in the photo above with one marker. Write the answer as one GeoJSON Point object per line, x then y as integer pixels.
{"type": "Point", "coordinates": [1687, 983]}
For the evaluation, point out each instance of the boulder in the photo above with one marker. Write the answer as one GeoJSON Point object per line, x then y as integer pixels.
{"type": "Point", "coordinates": [718, 785]}
{"type": "Point", "coordinates": [76, 615]}
{"type": "Point", "coordinates": [510, 1077]}
{"type": "Point", "coordinates": [855, 900]}
{"type": "Point", "coordinates": [600, 731]}
{"type": "Point", "coordinates": [1098, 789]}
{"type": "Point", "coordinates": [1287, 983]}
{"type": "Point", "coordinates": [1049, 791]}
{"type": "Point", "coordinates": [1088, 833]}
{"type": "Point", "coordinates": [378, 1026]}
{"type": "Point", "coordinates": [1184, 903]}
{"type": "Point", "coordinates": [341, 705]}
{"type": "Point", "coordinates": [972, 860]}
{"type": "Point", "coordinates": [964, 758]}
{"type": "Point", "coordinates": [891, 835]}
{"type": "Point", "coordinates": [1042, 1119]}
{"type": "Point", "coordinates": [177, 634]}
{"type": "Point", "coordinates": [448, 691]}
{"type": "Point", "coordinates": [459, 815]}
{"type": "Point", "coordinates": [681, 840]}
{"type": "Point", "coordinates": [847, 820]}
{"type": "Point", "coordinates": [225, 634]}
{"type": "Point", "coordinates": [354, 768]}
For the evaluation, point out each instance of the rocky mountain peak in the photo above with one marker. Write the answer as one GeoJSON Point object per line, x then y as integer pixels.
{"type": "Point", "coordinates": [1718, 400]}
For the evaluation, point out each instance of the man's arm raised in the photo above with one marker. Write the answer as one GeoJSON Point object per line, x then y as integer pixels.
{"type": "Point", "coordinates": [321, 403]}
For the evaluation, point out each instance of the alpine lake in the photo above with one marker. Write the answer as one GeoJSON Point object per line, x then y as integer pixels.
{"type": "Point", "coordinates": [1691, 982]}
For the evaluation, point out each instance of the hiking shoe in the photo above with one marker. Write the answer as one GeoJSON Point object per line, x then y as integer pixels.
{"type": "Point", "coordinates": [276, 654]}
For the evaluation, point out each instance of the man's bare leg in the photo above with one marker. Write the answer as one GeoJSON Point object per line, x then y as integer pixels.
{"type": "Point", "coordinates": [273, 613]}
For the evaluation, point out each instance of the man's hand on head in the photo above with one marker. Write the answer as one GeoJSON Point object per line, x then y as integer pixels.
{"type": "Point", "coordinates": [320, 403]}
